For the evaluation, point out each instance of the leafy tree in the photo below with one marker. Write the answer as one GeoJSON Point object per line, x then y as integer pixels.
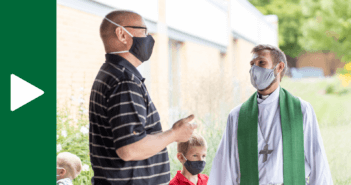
{"type": "Point", "coordinates": [328, 28]}
{"type": "Point", "coordinates": [313, 25]}
{"type": "Point", "coordinates": [290, 20]}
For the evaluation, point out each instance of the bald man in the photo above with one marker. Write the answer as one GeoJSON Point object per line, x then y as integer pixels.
{"type": "Point", "coordinates": [127, 144]}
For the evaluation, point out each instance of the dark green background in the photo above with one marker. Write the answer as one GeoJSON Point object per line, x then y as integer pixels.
{"type": "Point", "coordinates": [28, 50]}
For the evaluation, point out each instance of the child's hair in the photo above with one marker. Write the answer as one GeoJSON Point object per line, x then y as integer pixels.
{"type": "Point", "coordinates": [71, 163]}
{"type": "Point", "coordinates": [195, 140]}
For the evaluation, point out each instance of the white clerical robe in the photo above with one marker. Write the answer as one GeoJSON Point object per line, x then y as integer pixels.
{"type": "Point", "coordinates": [226, 168]}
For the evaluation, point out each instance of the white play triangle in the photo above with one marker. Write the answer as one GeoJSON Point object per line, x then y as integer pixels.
{"type": "Point", "coordinates": [22, 92]}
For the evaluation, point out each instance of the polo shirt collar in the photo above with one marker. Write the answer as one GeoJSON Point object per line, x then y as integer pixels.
{"type": "Point", "coordinates": [118, 60]}
{"type": "Point", "coordinates": [184, 180]}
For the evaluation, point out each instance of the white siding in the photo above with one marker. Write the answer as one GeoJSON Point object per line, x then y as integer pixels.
{"type": "Point", "coordinates": [146, 8]}
{"type": "Point", "coordinates": [206, 21]}
{"type": "Point", "coordinates": [199, 18]}
{"type": "Point", "coordinates": [248, 22]}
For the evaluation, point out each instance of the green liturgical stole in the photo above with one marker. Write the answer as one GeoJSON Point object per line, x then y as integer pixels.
{"type": "Point", "coordinates": [293, 144]}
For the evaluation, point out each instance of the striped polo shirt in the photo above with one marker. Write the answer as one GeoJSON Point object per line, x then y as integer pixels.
{"type": "Point", "coordinates": [120, 113]}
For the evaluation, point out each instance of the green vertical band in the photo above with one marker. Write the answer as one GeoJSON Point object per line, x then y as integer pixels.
{"type": "Point", "coordinates": [293, 141]}
{"type": "Point", "coordinates": [292, 133]}
{"type": "Point", "coordinates": [28, 134]}
{"type": "Point", "coordinates": [247, 141]}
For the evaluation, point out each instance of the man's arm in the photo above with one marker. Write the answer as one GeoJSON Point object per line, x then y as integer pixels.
{"type": "Point", "coordinates": [152, 144]}
{"type": "Point", "coordinates": [314, 150]}
{"type": "Point", "coordinates": [127, 114]}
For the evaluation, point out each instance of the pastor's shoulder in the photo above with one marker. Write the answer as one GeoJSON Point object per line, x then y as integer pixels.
{"type": "Point", "coordinates": [305, 106]}
{"type": "Point", "coordinates": [235, 111]}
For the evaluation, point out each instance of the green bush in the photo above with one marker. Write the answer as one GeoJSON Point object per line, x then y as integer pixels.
{"type": "Point", "coordinates": [330, 89]}
{"type": "Point", "coordinates": [73, 137]}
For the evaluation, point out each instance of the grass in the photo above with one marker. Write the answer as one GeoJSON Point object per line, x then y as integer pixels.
{"type": "Point", "coordinates": [332, 105]}
{"type": "Point", "coordinates": [330, 101]}
{"type": "Point", "coordinates": [332, 108]}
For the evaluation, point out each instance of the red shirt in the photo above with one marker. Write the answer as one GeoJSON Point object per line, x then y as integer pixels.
{"type": "Point", "coordinates": [179, 179]}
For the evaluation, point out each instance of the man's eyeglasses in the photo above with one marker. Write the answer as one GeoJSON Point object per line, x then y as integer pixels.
{"type": "Point", "coordinates": [138, 27]}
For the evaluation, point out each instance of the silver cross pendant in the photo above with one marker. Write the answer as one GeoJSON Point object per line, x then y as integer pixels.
{"type": "Point", "coordinates": [265, 151]}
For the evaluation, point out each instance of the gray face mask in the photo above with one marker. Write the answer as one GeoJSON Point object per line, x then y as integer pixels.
{"type": "Point", "coordinates": [261, 78]}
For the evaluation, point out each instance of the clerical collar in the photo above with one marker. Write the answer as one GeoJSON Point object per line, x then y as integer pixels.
{"type": "Point", "coordinates": [263, 97]}
{"type": "Point", "coordinates": [266, 99]}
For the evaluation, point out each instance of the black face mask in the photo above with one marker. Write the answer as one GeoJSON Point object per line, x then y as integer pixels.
{"type": "Point", "coordinates": [141, 47]}
{"type": "Point", "coordinates": [194, 167]}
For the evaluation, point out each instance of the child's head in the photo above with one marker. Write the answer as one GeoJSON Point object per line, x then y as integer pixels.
{"type": "Point", "coordinates": [193, 150]}
{"type": "Point", "coordinates": [68, 166]}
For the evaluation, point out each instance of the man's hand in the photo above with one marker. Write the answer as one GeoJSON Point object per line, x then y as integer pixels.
{"type": "Point", "coordinates": [183, 129]}
{"type": "Point", "coordinates": [154, 143]}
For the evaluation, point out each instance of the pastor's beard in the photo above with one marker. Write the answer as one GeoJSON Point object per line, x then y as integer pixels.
{"type": "Point", "coordinates": [275, 80]}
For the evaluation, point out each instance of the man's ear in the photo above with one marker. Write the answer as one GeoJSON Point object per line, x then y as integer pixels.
{"type": "Point", "coordinates": [121, 35]}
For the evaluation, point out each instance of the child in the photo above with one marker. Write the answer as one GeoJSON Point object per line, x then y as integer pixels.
{"type": "Point", "coordinates": [68, 168]}
{"type": "Point", "coordinates": [192, 154]}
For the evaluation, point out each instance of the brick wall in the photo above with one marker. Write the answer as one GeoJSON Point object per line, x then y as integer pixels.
{"type": "Point", "coordinates": [80, 54]}
{"type": "Point", "coordinates": [242, 49]}
{"type": "Point", "coordinates": [326, 61]}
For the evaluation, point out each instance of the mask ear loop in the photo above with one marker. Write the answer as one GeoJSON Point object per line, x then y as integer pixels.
{"type": "Point", "coordinates": [184, 157]}
{"type": "Point", "coordinates": [274, 69]}
{"type": "Point", "coordinates": [276, 66]}
{"type": "Point", "coordinates": [118, 26]}
{"type": "Point", "coordinates": [123, 29]}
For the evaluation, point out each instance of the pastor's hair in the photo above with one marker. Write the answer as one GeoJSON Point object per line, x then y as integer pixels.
{"type": "Point", "coordinates": [277, 55]}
